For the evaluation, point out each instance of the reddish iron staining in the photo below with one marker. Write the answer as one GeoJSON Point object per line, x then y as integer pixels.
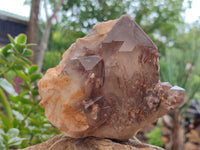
{"type": "Point", "coordinates": [141, 114]}
{"type": "Point", "coordinates": [162, 99]}
{"type": "Point", "coordinates": [94, 105]}
{"type": "Point", "coordinates": [140, 59]}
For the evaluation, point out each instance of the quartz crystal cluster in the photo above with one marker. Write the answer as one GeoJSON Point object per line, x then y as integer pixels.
{"type": "Point", "coordinates": [107, 84]}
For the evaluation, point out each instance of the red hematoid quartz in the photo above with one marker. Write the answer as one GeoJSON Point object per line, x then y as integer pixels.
{"type": "Point", "coordinates": [107, 84]}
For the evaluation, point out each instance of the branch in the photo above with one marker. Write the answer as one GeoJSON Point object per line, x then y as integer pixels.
{"type": "Point", "coordinates": [45, 9]}
{"type": "Point", "coordinates": [6, 105]}
{"type": "Point", "coordinates": [56, 9]}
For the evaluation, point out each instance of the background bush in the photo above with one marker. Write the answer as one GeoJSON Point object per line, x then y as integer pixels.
{"type": "Point", "coordinates": [22, 118]}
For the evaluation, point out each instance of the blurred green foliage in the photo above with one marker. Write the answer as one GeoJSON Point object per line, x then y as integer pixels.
{"type": "Point", "coordinates": [61, 39]}
{"type": "Point", "coordinates": [22, 119]}
{"type": "Point", "coordinates": [51, 59]}
{"type": "Point", "coordinates": [181, 64]}
{"type": "Point", "coordinates": [10, 139]}
{"type": "Point", "coordinates": [159, 19]}
{"type": "Point", "coordinates": [155, 137]}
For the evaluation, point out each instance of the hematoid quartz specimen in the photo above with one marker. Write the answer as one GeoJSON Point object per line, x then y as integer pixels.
{"type": "Point", "coordinates": [107, 84]}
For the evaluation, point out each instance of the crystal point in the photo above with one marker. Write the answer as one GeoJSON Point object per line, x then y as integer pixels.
{"type": "Point", "coordinates": [89, 62]}
{"type": "Point", "coordinates": [107, 84]}
{"type": "Point", "coordinates": [177, 88]}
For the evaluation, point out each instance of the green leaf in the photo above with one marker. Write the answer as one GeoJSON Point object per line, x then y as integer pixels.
{"type": "Point", "coordinates": [2, 132]}
{"type": "Point", "coordinates": [7, 86]}
{"type": "Point", "coordinates": [5, 49]}
{"type": "Point", "coordinates": [25, 86]}
{"type": "Point", "coordinates": [18, 115]}
{"type": "Point", "coordinates": [13, 132]}
{"type": "Point", "coordinates": [32, 69]}
{"type": "Point", "coordinates": [3, 59]}
{"type": "Point", "coordinates": [11, 74]}
{"type": "Point", "coordinates": [6, 105]}
{"type": "Point", "coordinates": [21, 99]}
{"type": "Point", "coordinates": [19, 48]}
{"type": "Point", "coordinates": [15, 141]}
{"type": "Point", "coordinates": [11, 39]}
{"type": "Point", "coordinates": [10, 80]}
{"type": "Point", "coordinates": [35, 77]}
{"type": "Point", "coordinates": [2, 145]}
{"type": "Point", "coordinates": [27, 52]}
{"type": "Point", "coordinates": [6, 122]}
{"type": "Point", "coordinates": [24, 93]}
{"type": "Point", "coordinates": [5, 137]}
{"type": "Point", "coordinates": [21, 39]}
{"type": "Point", "coordinates": [35, 122]}
{"type": "Point", "coordinates": [13, 98]}
{"type": "Point", "coordinates": [155, 137]}
{"type": "Point", "coordinates": [22, 76]}
{"type": "Point", "coordinates": [3, 62]}
{"type": "Point", "coordinates": [19, 64]}
{"type": "Point", "coordinates": [25, 60]}
{"type": "Point", "coordinates": [35, 92]}
{"type": "Point", "coordinates": [15, 122]}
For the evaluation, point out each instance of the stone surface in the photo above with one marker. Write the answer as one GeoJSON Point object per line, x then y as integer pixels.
{"type": "Point", "coordinates": [61, 142]}
{"type": "Point", "coordinates": [107, 84]}
{"type": "Point", "coordinates": [191, 146]}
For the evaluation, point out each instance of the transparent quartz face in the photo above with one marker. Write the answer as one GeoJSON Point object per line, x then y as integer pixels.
{"type": "Point", "coordinates": [89, 62]}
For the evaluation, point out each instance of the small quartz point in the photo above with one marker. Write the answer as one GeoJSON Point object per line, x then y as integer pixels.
{"type": "Point", "coordinates": [89, 62]}
{"type": "Point", "coordinates": [107, 84]}
{"type": "Point", "coordinates": [177, 88]}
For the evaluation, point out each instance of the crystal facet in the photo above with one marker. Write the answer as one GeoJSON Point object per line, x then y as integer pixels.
{"type": "Point", "coordinates": [89, 62]}
{"type": "Point", "coordinates": [107, 84]}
